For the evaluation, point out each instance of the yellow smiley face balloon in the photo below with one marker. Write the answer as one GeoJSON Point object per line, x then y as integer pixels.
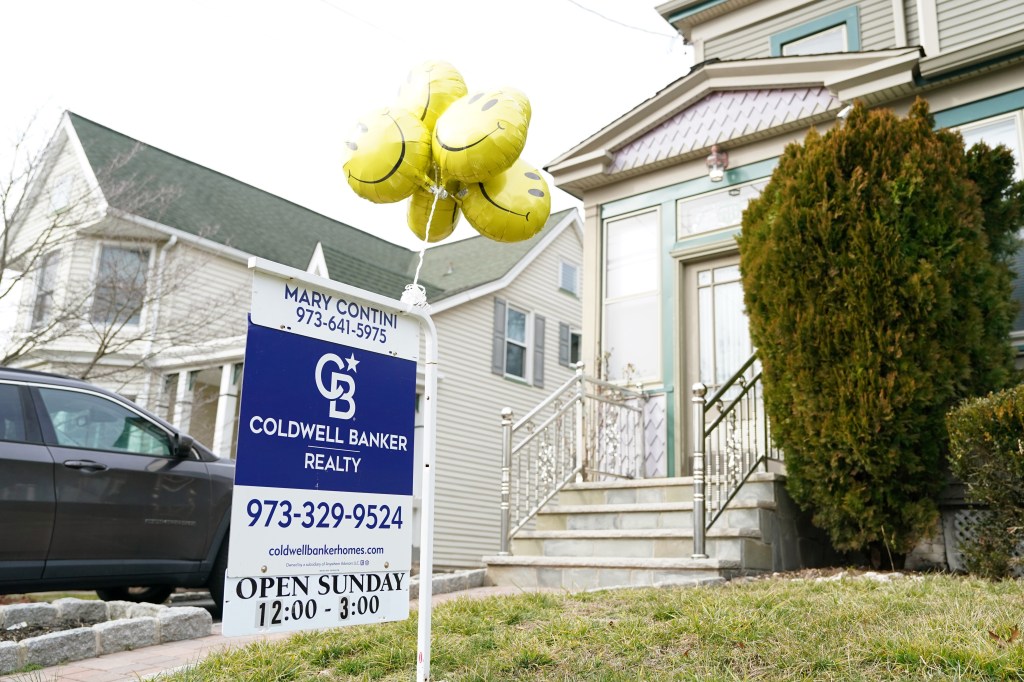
{"type": "Point", "coordinates": [510, 207]}
{"type": "Point", "coordinates": [429, 89]}
{"type": "Point", "coordinates": [387, 156]}
{"type": "Point", "coordinates": [443, 220]}
{"type": "Point", "coordinates": [481, 135]}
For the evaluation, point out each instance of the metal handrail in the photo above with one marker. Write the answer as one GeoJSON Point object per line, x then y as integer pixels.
{"type": "Point", "coordinates": [587, 429]}
{"type": "Point", "coordinates": [731, 449]}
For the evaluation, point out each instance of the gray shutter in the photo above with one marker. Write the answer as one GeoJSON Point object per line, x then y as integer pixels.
{"type": "Point", "coordinates": [498, 339]}
{"type": "Point", "coordinates": [563, 344]}
{"type": "Point", "coordinates": [538, 351]}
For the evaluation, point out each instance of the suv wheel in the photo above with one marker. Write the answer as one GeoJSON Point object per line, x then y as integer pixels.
{"type": "Point", "coordinates": [154, 594]}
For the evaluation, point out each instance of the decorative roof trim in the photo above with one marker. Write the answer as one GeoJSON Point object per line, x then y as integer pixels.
{"type": "Point", "coordinates": [851, 73]}
{"type": "Point", "coordinates": [317, 262]}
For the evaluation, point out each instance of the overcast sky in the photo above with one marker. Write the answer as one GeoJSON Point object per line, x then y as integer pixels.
{"type": "Point", "coordinates": [267, 91]}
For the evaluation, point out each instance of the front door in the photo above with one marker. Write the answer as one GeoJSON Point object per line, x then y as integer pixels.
{"type": "Point", "coordinates": [716, 338]}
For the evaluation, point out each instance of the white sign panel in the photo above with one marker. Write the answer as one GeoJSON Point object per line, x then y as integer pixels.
{"type": "Point", "coordinates": [320, 313]}
{"type": "Point", "coordinates": [300, 602]}
{"type": "Point", "coordinates": [321, 518]}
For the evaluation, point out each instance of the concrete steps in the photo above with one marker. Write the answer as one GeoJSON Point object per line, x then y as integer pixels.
{"type": "Point", "coordinates": [639, 533]}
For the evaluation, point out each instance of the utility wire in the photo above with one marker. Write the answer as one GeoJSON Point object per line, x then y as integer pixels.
{"type": "Point", "coordinates": [616, 21]}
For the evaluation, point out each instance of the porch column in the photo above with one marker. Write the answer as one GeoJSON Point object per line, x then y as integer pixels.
{"type": "Point", "coordinates": [227, 405]}
{"type": "Point", "coordinates": [183, 401]}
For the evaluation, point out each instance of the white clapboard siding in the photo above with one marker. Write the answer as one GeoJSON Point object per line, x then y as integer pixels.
{"type": "Point", "coordinates": [470, 400]}
{"type": "Point", "coordinates": [754, 41]}
{"type": "Point", "coordinates": [963, 22]}
{"type": "Point", "coordinates": [215, 292]}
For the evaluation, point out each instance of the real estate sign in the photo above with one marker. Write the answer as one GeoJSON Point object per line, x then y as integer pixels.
{"type": "Point", "coordinates": [321, 520]}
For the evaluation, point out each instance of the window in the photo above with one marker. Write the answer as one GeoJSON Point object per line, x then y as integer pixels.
{"type": "Point", "coordinates": [83, 420]}
{"type": "Point", "coordinates": [835, 32]}
{"type": "Point", "coordinates": [631, 339]}
{"type": "Point", "coordinates": [60, 193]}
{"type": "Point", "coordinates": [46, 280]}
{"type": "Point", "coordinates": [12, 414]}
{"type": "Point", "coordinates": [569, 278]}
{"type": "Point", "coordinates": [830, 40]}
{"type": "Point", "coordinates": [569, 345]}
{"type": "Point", "coordinates": [120, 285]}
{"type": "Point", "coordinates": [1003, 130]}
{"type": "Point", "coordinates": [715, 210]}
{"type": "Point", "coordinates": [517, 350]}
{"type": "Point", "coordinates": [515, 343]}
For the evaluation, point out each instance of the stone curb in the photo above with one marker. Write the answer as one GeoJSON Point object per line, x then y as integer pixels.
{"type": "Point", "coordinates": [111, 627]}
{"type": "Point", "coordinates": [450, 582]}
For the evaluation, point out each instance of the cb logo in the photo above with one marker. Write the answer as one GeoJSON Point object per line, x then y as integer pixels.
{"type": "Point", "coordinates": [341, 388]}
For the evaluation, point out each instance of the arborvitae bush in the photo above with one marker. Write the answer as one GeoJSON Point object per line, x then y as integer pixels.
{"type": "Point", "coordinates": [877, 298]}
{"type": "Point", "coordinates": [986, 442]}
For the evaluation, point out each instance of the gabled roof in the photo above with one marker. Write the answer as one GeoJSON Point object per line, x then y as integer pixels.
{"type": "Point", "coordinates": [736, 102]}
{"type": "Point", "coordinates": [218, 209]}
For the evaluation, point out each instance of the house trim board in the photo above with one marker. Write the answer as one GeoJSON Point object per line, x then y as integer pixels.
{"type": "Point", "coordinates": [979, 109]}
{"type": "Point", "coordinates": [192, 239]}
{"type": "Point", "coordinates": [848, 17]}
{"type": "Point", "coordinates": [687, 188]}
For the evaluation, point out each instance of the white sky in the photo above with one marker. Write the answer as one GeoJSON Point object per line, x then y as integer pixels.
{"type": "Point", "coordinates": [267, 91]}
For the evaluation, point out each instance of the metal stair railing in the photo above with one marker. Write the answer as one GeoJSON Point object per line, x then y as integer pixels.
{"type": "Point", "coordinates": [730, 448]}
{"type": "Point", "coordinates": [586, 429]}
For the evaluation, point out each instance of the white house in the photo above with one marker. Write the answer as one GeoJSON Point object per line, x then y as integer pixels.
{"type": "Point", "coordinates": [133, 266]}
{"type": "Point", "coordinates": [664, 187]}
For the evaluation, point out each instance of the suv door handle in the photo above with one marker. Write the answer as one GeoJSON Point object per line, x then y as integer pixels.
{"type": "Point", "coordinates": [85, 465]}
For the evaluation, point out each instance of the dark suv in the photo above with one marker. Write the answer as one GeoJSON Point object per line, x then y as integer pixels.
{"type": "Point", "coordinates": [98, 494]}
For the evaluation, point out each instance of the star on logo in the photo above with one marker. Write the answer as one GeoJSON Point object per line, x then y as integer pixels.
{"type": "Point", "coordinates": [352, 362]}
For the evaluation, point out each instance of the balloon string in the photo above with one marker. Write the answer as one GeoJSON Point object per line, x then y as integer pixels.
{"type": "Point", "coordinates": [415, 293]}
{"type": "Point", "coordinates": [426, 232]}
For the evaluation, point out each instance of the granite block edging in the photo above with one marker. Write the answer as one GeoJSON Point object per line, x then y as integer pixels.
{"type": "Point", "coordinates": [443, 583]}
{"type": "Point", "coordinates": [106, 627]}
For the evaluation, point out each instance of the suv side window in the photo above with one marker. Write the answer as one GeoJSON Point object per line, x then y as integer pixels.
{"type": "Point", "coordinates": [12, 414]}
{"type": "Point", "coordinates": [83, 420]}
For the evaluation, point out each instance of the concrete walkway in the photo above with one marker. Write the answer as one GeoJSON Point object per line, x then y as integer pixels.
{"type": "Point", "coordinates": [151, 661]}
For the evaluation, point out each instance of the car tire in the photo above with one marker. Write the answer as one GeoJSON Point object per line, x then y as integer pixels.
{"type": "Point", "coordinates": [216, 582]}
{"type": "Point", "coordinates": [153, 594]}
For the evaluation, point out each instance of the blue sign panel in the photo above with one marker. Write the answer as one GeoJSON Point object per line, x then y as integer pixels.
{"type": "Point", "coordinates": [317, 415]}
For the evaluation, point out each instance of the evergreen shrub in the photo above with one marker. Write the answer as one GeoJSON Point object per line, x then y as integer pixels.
{"type": "Point", "coordinates": [986, 442]}
{"type": "Point", "coordinates": [877, 299]}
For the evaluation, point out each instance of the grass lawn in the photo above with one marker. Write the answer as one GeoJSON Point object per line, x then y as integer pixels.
{"type": "Point", "coordinates": [934, 627]}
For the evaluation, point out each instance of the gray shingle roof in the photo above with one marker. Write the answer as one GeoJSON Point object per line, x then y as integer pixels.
{"type": "Point", "coordinates": [227, 211]}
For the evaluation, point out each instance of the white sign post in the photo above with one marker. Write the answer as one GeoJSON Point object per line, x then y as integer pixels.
{"type": "Point", "coordinates": [321, 520]}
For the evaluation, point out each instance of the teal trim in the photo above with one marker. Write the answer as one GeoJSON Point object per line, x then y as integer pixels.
{"type": "Point", "coordinates": [983, 108]}
{"type": "Point", "coordinates": [668, 321]}
{"type": "Point", "coordinates": [707, 238]}
{"type": "Point", "coordinates": [689, 188]}
{"type": "Point", "coordinates": [699, 7]}
{"type": "Point", "coordinates": [849, 16]}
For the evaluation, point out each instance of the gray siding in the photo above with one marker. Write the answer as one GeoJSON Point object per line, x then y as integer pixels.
{"type": "Point", "coordinates": [470, 400]}
{"type": "Point", "coordinates": [962, 22]}
{"type": "Point", "coordinates": [752, 42]}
